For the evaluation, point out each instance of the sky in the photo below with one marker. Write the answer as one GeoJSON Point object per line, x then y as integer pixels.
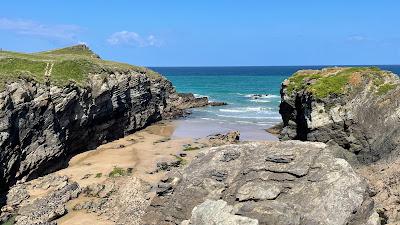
{"type": "Point", "coordinates": [210, 32]}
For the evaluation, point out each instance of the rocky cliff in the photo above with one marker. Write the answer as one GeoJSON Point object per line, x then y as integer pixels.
{"type": "Point", "coordinates": [355, 108]}
{"type": "Point", "coordinates": [55, 104]}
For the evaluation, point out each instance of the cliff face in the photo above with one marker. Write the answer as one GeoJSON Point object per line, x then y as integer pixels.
{"type": "Point", "coordinates": [43, 123]}
{"type": "Point", "coordinates": [355, 108]}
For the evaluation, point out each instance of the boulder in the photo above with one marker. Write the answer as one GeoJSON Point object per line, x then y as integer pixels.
{"type": "Point", "coordinates": [217, 103]}
{"type": "Point", "coordinates": [125, 202]}
{"type": "Point", "coordinates": [285, 183]}
{"type": "Point", "coordinates": [228, 138]}
{"type": "Point", "coordinates": [218, 213]}
{"type": "Point", "coordinates": [45, 208]}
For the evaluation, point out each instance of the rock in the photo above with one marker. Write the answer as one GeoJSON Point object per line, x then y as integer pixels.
{"type": "Point", "coordinates": [50, 181]}
{"type": "Point", "coordinates": [164, 188]}
{"type": "Point", "coordinates": [217, 103]}
{"type": "Point", "coordinates": [255, 191]}
{"type": "Point", "coordinates": [291, 182]}
{"type": "Point", "coordinates": [276, 129]}
{"type": "Point", "coordinates": [258, 96]}
{"type": "Point", "coordinates": [361, 124]}
{"type": "Point", "coordinates": [125, 203]}
{"type": "Point", "coordinates": [168, 164]}
{"type": "Point", "coordinates": [181, 154]}
{"type": "Point", "coordinates": [218, 213]}
{"type": "Point", "coordinates": [228, 138]}
{"type": "Point", "coordinates": [94, 190]}
{"type": "Point", "coordinates": [19, 195]}
{"type": "Point", "coordinates": [16, 195]}
{"type": "Point", "coordinates": [183, 101]}
{"type": "Point", "coordinates": [384, 180]}
{"type": "Point", "coordinates": [361, 117]}
{"type": "Point", "coordinates": [45, 210]}
{"type": "Point", "coordinates": [188, 100]}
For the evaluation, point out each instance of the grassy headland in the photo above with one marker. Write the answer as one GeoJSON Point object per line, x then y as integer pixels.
{"type": "Point", "coordinates": [60, 66]}
{"type": "Point", "coordinates": [338, 81]}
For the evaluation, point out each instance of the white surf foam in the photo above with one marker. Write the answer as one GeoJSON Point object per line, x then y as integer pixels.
{"type": "Point", "coordinates": [260, 100]}
{"type": "Point", "coordinates": [262, 96]}
{"type": "Point", "coordinates": [200, 96]}
{"type": "Point", "coordinates": [246, 109]}
{"type": "Point", "coordinates": [250, 117]}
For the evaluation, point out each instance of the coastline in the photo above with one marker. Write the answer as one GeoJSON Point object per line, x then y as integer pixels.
{"type": "Point", "coordinates": [143, 175]}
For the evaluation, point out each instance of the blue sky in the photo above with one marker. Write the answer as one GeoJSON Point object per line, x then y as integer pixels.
{"type": "Point", "coordinates": [210, 32]}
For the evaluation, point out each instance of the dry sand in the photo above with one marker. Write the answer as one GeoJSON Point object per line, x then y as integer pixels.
{"type": "Point", "coordinates": [140, 151]}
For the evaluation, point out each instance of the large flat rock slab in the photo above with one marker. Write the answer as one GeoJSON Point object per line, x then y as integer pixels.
{"type": "Point", "coordinates": [285, 183]}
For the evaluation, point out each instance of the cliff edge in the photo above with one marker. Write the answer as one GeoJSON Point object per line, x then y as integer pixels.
{"type": "Point", "coordinates": [355, 108]}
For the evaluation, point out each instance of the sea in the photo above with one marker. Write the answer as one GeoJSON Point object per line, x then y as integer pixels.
{"type": "Point", "coordinates": [252, 94]}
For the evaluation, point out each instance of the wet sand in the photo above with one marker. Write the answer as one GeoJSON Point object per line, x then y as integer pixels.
{"type": "Point", "coordinates": [200, 128]}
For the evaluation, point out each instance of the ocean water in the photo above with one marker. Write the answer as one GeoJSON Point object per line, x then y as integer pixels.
{"type": "Point", "coordinates": [252, 94]}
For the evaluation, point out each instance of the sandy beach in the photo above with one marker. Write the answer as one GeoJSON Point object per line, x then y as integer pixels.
{"type": "Point", "coordinates": [137, 153]}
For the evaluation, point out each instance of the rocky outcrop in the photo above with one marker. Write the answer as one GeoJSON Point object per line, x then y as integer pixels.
{"type": "Point", "coordinates": [229, 138]}
{"type": "Point", "coordinates": [41, 125]}
{"type": "Point", "coordinates": [55, 191]}
{"type": "Point", "coordinates": [354, 108]}
{"type": "Point", "coordinates": [384, 180]}
{"type": "Point", "coordinates": [183, 101]}
{"type": "Point", "coordinates": [289, 182]}
{"type": "Point", "coordinates": [122, 201]}
{"type": "Point", "coordinates": [216, 212]}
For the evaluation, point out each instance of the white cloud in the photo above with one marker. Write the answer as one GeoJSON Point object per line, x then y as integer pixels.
{"type": "Point", "coordinates": [32, 28]}
{"type": "Point", "coordinates": [133, 39]}
{"type": "Point", "coordinates": [357, 38]}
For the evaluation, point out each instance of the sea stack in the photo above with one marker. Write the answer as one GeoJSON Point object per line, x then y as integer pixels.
{"type": "Point", "coordinates": [354, 108]}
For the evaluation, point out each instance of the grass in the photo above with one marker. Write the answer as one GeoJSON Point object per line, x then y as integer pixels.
{"type": "Point", "coordinates": [297, 81]}
{"type": "Point", "coordinates": [181, 160]}
{"type": "Point", "coordinates": [188, 147]}
{"type": "Point", "coordinates": [330, 85]}
{"type": "Point", "coordinates": [334, 81]}
{"type": "Point", "coordinates": [385, 88]}
{"type": "Point", "coordinates": [80, 50]}
{"type": "Point", "coordinates": [77, 71]}
{"type": "Point", "coordinates": [10, 221]}
{"type": "Point", "coordinates": [98, 175]}
{"type": "Point", "coordinates": [72, 64]}
{"type": "Point", "coordinates": [117, 172]}
{"type": "Point", "coordinates": [14, 68]}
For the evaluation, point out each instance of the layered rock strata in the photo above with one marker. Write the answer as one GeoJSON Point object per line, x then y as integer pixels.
{"type": "Point", "coordinates": [290, 182]}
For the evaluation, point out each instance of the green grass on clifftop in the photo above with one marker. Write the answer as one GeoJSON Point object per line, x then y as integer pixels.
{"type": "Point", "coordinates": [385, 88]}
{"type": "Point", "coordinates": [79, 50]}
{"type": "Point", "coordinates": [336, 81]}
{"type": "Point", "coordinates": [61, 66]}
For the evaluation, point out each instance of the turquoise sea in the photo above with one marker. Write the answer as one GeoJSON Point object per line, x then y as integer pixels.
{"type": "Point", "coordinates": [252, 94]}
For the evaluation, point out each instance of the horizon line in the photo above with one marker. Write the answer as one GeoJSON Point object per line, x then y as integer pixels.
{"type": "Point", "coordinates": [322, 65]}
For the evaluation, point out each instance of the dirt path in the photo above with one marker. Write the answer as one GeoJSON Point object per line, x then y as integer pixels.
{"type": "Point", "coordinates": [48, 70]}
